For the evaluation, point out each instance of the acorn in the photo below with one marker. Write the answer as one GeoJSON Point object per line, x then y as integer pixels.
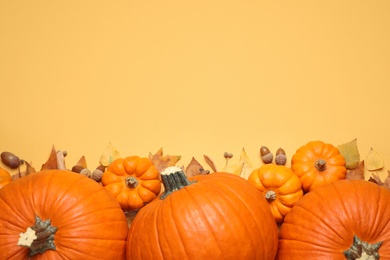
{"type": "Point", "coordinates": [266, 155]}
{"type": "Point", "coordinates": [81, 170]}
{"type": "Point", "coordinates": [10, 159]}
{"type": "Point", "coordinates": [280, 157]}
{"type": "Point", "coordinates": [98, 173]}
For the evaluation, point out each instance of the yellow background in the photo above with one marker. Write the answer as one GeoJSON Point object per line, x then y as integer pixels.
{"type": "Point", "coordinates": [193, 77]}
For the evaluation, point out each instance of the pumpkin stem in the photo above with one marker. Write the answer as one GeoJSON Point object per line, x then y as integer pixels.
{"type": "Point", "coordinates": [320, 164]}
{"type": "Point", "coordinates": [362, 250]}
{"type": "Point", "coordinates": [39, 237]}
{"type": "Point", "coordinates": [173, 179]}
{"type": "Point", "coordinates": [131, 182]}
{"type": "Point", "coordinates": [270, 195]}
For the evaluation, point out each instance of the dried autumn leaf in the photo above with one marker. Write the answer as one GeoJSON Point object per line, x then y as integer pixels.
{"type": "Point", "coordinates": [375, 178]}
{"type": "Point", "coordinates": [356, 173]}
{"type": "Point", "coordinates": [29, 169]}
{"type": "Point", "coordinates": [194, 168]}
{"type": "Point", "coordinates": [210, 163]}
{"type": "Point", "coordinates": [163, 161]}
{"type": "Point", "coordinates": [82, 162]}
{"type": "Point", "coordinates": [374, 161]}
{"type": "Point", "coordinates": [51, 162]}
{"type": "Point", "coordinates": [386, 182]}
{"type": "Point", "coordinates": [242, 168]}
{"type": "Point", "coordinates": [247, 164]}
{"type": "Point", "coordinates": [109, 154]}
{"type": "Point", "coordinates": [351, 153]}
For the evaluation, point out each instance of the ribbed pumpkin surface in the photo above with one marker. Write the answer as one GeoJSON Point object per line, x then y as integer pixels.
{"type": "Point", "coordinates": [322, 223]}
{"type": "Point", "coordinates": [90, 223]}
{"type": "Point", "coordinates": [221, 216]}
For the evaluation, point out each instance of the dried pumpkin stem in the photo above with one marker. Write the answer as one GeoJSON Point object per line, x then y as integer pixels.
{"type": "Point", "coordinates": [270, 195]}
{"type": "Point", "coordinates": [131, 182]}
{"type": "Point", "coordinates": [173, 179]}
{"type": "Point", "coordinates": [362, 250]}
{"type": "Point", "coordinates": [320, 164]}
{"type": "Point", "coordinates": [39, 237]}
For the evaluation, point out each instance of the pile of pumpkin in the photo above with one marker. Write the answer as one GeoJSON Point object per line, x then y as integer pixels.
{"type": "Point", "coordinates": [306, 211]}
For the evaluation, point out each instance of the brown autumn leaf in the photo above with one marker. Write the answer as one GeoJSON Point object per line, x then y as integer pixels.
{"type": "Point", "coordinates": [51, 162]}
{"type": "Point", "coordinates": [376, 179]}
{"type": "Point", "coordinates": [194, 168]}
{"type": "Point", "coordinates": [386, 182]}
{"type": "Point", "coordinates": [82, 162]}
{"type": "Point", "coordinates": [29, 169]}
{"type": "Point", "coordinates": [356, 173]}
{"type": "Point", "coordinates": [163, 161]}
{"type": "Point", "coordinates": [210, 163]}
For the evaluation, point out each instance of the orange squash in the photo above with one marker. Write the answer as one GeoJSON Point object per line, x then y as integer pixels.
{"type": "Point", "coordinates": [279, 185]}
{"type": "Point", "coordinates": [317, 163]}
{"type": "Point", "coordinates": [348, 219]}
{"type": "Point", "coordinates": [133, 181]}
{"type": "Point", "coordinates": [5, 177]}
{"type": "Point", "coordinates": [58, 214]}
{"type": "Point", "coordinates": [214, 216]}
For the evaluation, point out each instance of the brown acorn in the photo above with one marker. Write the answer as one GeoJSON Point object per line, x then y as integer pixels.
{"type": "Point", "coordinates": [280, 157]}
{"type": "Point", "coordinates": [266, 155]}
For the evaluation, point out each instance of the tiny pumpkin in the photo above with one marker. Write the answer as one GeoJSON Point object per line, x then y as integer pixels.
{"type": "Point", "coordinates": [348, 219]}
{"type": "Point", "coordinates": [317, 163]}
{"type": "Point", "coordinates": [5, 177]}
{"type": "Point", "coordinates": [214, 216]}
{"type": "Point", "coordinates": [58, 214]}
{"type": "Point", "coordinates": [133, 181]}
{"type": "Point", "coordinates": [279, 185]}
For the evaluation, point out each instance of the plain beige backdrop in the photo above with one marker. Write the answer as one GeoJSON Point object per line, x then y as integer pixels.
{"type": "Point", "coordinates": [192, 77]}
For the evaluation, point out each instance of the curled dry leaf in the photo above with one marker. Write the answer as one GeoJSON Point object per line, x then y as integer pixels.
{"type": "Point", "coordinates": [109, 154]}
{"type": "Point", "coordinates": [374, 161]}
{"type": "Point", "coordinates": [356, 173]}
{"type": "Point", "coordinates": [163, 161]}
{"type": "Point", "coordinates": [194, 168]}
{"type": "Point", "coordinates": [51, 162]}
{"type": "Point", "coordinates": [210, 163]}
{"type": "Point", "coordinates": [351, 154]}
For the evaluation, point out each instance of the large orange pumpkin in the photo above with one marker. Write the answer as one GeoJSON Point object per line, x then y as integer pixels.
{"type": "Point", "coordinates": [317, 163]}
{"type": "Point", "coordinates": [279, 185]}
{"type": "Point", "coordinates": [134, 181]}
{"type": "Point", "coordinates": [215, 216]}
{"type": "Point", "coordinates": [5, 177]}
{"type": "Point", "coordinates": [57, 214]}
{"type": "Point", "coordinates": [348, 219]}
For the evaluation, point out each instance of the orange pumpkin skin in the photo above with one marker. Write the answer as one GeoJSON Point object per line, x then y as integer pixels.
{"type": "Point", "coordinates": [91, 224]}
{"type": "Point", "coordinates": [133, 181]}
{"type": "Point", "coordinates": [279, 185]}
{"type": "Point", "coordinates": [218, 217]}
{"type": "Point", "coordinates": [5, 177]}
{"type": "Point", "coordinates": [317, 163]}
{"type": "Point", "coordinates": [322, 223]}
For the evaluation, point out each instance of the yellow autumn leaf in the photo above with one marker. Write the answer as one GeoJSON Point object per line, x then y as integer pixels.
{"type": "Point", "coordinates": [351, 154]}
{"type": "Point", "coordinates": [242, 168]}
{"type": "Point", "coordinates": [374, 161]}
{"type": "Point", "coordinates": [109, 154]}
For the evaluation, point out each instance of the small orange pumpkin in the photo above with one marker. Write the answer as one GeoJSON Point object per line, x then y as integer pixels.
{"type": "Point", "coordinates": [279, 185]}
{"type": "Point", "coordinates": [133, 181]}
{"type": "Point", "coordinates": [5, 177]}
{"type": "Point", "coordinates": [317, 163]}
{"type": "Point", "coordinates": [214, 216]}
